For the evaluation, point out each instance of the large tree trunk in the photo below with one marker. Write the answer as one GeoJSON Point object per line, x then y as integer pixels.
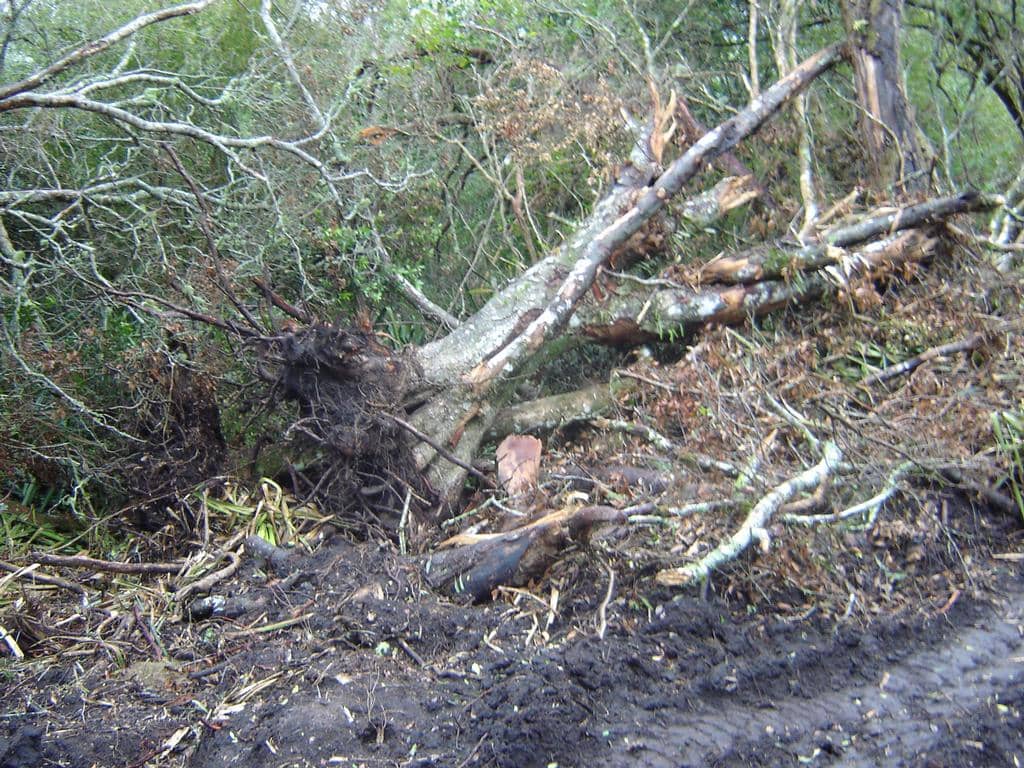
{"type": "Point", "coordinates": [887, 123]}
{"type": "Point", "coordinates": [466, 374]}
{"type": "Point", "coordinates": [402, 431]}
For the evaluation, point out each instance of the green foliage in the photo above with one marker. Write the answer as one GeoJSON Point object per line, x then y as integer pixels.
{"type": "Point", "coordinates": [458, 107]}
{"type": "Point", "coordinates": [1008, 429]}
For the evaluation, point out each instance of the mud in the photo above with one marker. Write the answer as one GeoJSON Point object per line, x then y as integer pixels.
{"type": "Point", "coordinates": [378, 671]}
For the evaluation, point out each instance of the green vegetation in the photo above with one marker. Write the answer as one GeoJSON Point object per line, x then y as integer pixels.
{"type": "Point", "coordinates": [448, 145]}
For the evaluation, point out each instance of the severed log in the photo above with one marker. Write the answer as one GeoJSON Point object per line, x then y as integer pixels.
{"type": "Point", "coordinates": [773, 261]}
{"type": "Point", "coordinates": [474, 565]}
{"type": "Point", "coordinates": [545, 414]}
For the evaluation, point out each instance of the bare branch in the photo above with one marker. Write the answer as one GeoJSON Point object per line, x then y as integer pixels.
{"type": "Point", "coordinates": [753, 527]}
{"type": "Point", "coordinates": [42, 76]}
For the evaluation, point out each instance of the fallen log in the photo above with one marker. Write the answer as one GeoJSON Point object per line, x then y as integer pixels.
{"type": "Point", "coordinates": [474, 565]}
{"type": "Point", "coordinates": [670, 309]}
{"type": "Point", "coordinates": [773, 261]}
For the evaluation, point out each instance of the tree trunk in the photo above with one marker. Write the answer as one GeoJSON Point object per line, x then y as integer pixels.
{"type": "Point", "coordinates": [887, 125]}
{"type": "Point", "coordinates": [466, 374]}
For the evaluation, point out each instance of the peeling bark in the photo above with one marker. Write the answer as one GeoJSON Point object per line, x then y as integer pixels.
{"type": "Point", "coordinates": [671, 310]}
{"type": "Point", "coordinates": [887, 122]}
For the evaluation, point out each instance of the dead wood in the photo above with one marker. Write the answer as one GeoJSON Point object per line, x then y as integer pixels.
{"type": "Point", "coordinates": [673, 308]}
{"type": "Point", "coordinates": [598, 249]}
{"type": "Point", "coordinates": [474, 565]}
{"type": "Point", "coordinates": [754, 526]}
{"type": "Point", "coordinates": [969, 344]}
{"type": "Point", "coordinates": [109, 566]}
{"type": "Point", "coordinates": [772, 261]}
{"type": "Point", "coordinates": [466, 374]}
{"type": "Point", "coordinates": [29, 573]}
{"type": "Point", "coordinates": [547, 414]}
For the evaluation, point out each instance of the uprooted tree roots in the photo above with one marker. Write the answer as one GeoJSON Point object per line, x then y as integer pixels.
{"type": "Point", "coordinates": [347, 451]}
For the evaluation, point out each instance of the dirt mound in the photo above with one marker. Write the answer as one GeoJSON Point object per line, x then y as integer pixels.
{"type": "Point", "coordinates": [697, 685]}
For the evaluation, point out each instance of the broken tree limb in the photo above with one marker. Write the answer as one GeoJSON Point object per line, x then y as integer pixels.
{"type": "Point", "coordinates": [594, 253]}
{"type": "Point", "coordinates": [773, 261]}
{"type": "Point", "coordinates": [546, 414]}
{"type": "Point", "coordinates": [474, 565]}
{"type": "Point", "coordinates": [870, 506]}
{"type": "Point", "coordinates": [447, 455]}
{"type": "Point", "coordinates": [450, 404]}
{"type": "Point", "coordinates": [969, 344]}
{"type": "Point", "coordinates": [753, 528]}
{"type": "Point", "coordinates": [110, 566]}
{"type": "Point", "coordinates": [708, 207]}
{"type": "Point", "coordinates": [666, 311]}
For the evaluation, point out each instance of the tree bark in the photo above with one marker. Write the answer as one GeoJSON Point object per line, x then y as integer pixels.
{"type": "Point", "coordinates": [466, 373]}
{"type": "Point", "coordinates": [887, 124]}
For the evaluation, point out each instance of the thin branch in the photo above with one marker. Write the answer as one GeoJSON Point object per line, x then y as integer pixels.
{"type": "Point", "coordinates": [413, 294]}
{"type": "Point", "coordinates": [289, 63]}
{"type": "Point", "coordinates": [753, 528]}
{"type": "Point", "coordinates": [448, 455]}
{"type": "Point", "coordinates": [110, 566]}
{"type": "Point", "coordinates": [29, 573]}
{"type": "Point", "coordinates": [42, 76]}
{"type": "Point", "coordinates": [964, 345]}
{"type": "Point", "coordinates": [870, 506]}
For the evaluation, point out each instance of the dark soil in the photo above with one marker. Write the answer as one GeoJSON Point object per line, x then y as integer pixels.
{"type": "Point", "coordinates": [370, 668]}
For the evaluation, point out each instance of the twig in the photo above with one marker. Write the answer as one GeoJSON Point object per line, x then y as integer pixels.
{"type": "Point", "coordinates": [272, 627]}
{"type": "Point", "coordinates": [996, 499]}
{"type": "Point", "coordinates": [144, 628]}
{"type": "Point", "coordinates": [753, 528]}
{"type": "Point", "coordinates": [110, 566]}
{"type": "Point", "coordinates": [652, 436]}
{"type": "Point", "coordinates": [964, 345]}
{"type": "Point", "coordinates": [403, 524]}
{"type": "Point", "coordinates": [281, 303]}
{"type": "Point", "coordinates": [30, 572]}
{"type": "Point", "coordinates": [410, 652]}
{"type": "Point", "coordinates": [448, 455]}
{"type": "Point", "coordinates": [602, 610]}
{"type": "Point", "coordinates": [871, 506]}
{"type": "Point", "coordinates": [640, 516]}
{"type": "Point", "coordinates": [207, 583]}
{"type": "Point", "coordinates": [12, 644]}
{"type": "Point", "coordinates": [699, 507]}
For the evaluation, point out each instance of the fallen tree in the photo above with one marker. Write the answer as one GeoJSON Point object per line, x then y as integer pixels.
{"type": "Point", "coordinates": [390, 438]}
{"type": "Point", "coordinates": [452, 394]}
{"type": "Point", "coordinates": [463, 377]}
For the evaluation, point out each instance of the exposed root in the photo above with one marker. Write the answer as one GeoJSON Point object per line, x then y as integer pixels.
{"type": "Point", "coordinates": [350, 453]}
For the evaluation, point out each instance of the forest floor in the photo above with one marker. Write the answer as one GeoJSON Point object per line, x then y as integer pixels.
{"type": "Point", "coordinates": [891, 639]}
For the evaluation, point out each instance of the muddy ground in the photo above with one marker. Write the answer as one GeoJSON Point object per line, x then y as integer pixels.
{"type": "Point", "coordinates": [345, 658]}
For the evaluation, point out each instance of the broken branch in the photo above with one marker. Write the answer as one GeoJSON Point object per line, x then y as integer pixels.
{"type": "Point", "coordinates": [754, 526]}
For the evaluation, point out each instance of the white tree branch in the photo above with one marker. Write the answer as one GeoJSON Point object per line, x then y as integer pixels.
{"type": "Point", "coordinates": [753, 528]}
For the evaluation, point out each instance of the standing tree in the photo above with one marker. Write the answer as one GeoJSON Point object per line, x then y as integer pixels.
{"type": "Point", "coordinates": [887, 125]}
